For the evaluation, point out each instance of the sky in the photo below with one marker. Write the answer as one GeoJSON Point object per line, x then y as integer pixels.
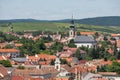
{"type": "Point", "coordinates": [57, 9]}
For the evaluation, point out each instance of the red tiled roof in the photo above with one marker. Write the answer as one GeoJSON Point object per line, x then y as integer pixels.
{"type": "Point", "coordinates": [115, 35]}
{"type": "Point", "coordinates": [92, 68]}
{"type": "Point", "coordinates": [18, 44]}
{"type": "Point", "coordinates": [17, 78]}
{"type": "Point", "coordinates": [3, 58]}
{"type": "Point", "coordinates": [82, 61]}
{"type": "Point", "coordinates": [68, 59]}
{"type": "Point", "coordinates": [41, 56]}
{"type": "Point", "coordinates": [8, 50]}
{"type": "Point", "coordinates": [118, 61]}
{"type": "Point", "coordinates": [107, 73]}
{"type": "Point", "coordinates": [87, 33]}
{"type": "Point", "coordinates": [101, 79]}
{"type": "Point", "coordinates": [3, 71]}
{"type": "Point", "coordinates": [107, 62]}
{"type": "Point", "coordinates": [110, 51]}
{"type": "Point", "coordinates": [78, 69]}
{"type": "Point", "coordinates": [36, 79]}
{"type": "Point", "coordinates": [62, 78]}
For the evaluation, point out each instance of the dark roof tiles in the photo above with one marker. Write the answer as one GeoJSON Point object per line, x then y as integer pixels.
{"type": "Point", "coordinates": [84, 39]}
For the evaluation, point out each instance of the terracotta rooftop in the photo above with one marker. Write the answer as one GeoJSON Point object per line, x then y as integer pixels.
{"type": "Point", "coordinates": [18, 45]}
{"type": "Point", "coordinates": [35, 79]}
{"type": "Point", "coordinates": [3, 71]}
{"type": "Point", "coordinates": [115, 35]}
{"type": "Point", "coordinates": [110, 51]}
{"type": "Point", "coordinates": [8, 50]}
{"type": "Point", "coordinates": [101, 79]}
{"type": "Point", "coordinates": [78, 69]}
{"type": "Point", "coordinates": [3, 58]}
{"type": "Point", "coordinates": [87, 33]}
{"type": "Point", "coordinates": [108, 73]}
{"type": "Point", "coordinates": [41, 56]}
{"type": "Point", "coordinates": [17, 78]}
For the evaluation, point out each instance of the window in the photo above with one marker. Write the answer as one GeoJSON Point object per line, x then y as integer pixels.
{"type": "Point", "coordinates": [71, 33]}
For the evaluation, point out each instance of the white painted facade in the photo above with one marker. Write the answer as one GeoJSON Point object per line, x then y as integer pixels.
{"type": "Point", "coordinates": [89, 45]}
{"type": "Point", "coordinates": [71, 33]}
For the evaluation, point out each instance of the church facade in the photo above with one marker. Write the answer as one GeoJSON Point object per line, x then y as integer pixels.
{"type": "Point", "coordinates": [81, 40]}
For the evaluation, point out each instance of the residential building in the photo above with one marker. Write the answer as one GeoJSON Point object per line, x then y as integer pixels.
{"type": "Point", "coordinates": [10, 53]}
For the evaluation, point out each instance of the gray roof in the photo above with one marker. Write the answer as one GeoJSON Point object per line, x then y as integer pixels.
{"type": "Point", "coordinates": [20, 59]}
{"type": "Point", "coordinates": [84, 39]}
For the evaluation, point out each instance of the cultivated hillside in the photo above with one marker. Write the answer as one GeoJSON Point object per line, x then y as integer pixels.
{"type": "Point", "coordinates": [100, 21]}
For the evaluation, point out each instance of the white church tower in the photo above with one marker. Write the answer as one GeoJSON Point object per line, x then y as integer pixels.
{"type": "Point", "coordinates": [72, 29]}
{"type": "Point", "coordinates": [57, 62]}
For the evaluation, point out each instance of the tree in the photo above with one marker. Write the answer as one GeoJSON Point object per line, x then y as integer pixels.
{"type": "Point", "coordinates": [101, 69]}
{"type": "Point", "coordinates": [47, 39]}
{"type": "Point", "coordinates": [6, 63]}
{"type": "Point", "coordinates": [118, 55]}
{"type": "Point", "coordinates": [9, 46]}
{"type": "Point", "coordinates": [78, 55]}
{"type": "Point", "coordinates": [21, 67]}
{"type": "Point", "coordinates": [63, 61]}
{"type": "Point", "coordinates": [94, 54]}
{"type": "Point", "coordinates": [72, 44]}
{"type": "Point", "coordinates": [57, 46]}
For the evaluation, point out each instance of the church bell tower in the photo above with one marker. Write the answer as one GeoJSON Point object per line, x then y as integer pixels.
{"type": "Point", "coordinates": [72, 29]}
{"type": "Point", "coordinates": [57, 62]}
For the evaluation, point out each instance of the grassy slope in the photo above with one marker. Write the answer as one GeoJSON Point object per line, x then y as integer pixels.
{"type": "Point", "coordinates": [43, 26]}
{"type": "Point", "coordinates": [54, 26]}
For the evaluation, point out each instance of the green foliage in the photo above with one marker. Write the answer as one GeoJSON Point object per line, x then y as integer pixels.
{"type": "Point", "coordinates": [36, 33]}
{"type": "Point", "coordinates": [101, 69]}
{"type": "Point", "coordinates": [88, 57]}
{"type": "Point", "coordinates": [19, 33]}
{"type": "Point", "coordinates": [94, 54]}
{"type": "Point", "coordinates": [63, 61]}
{"type": "Point", "coordinates": [21, 67]}
{"type": "Point", "coordinates": [47, 39]}
{"type": "Point", "coordinates": [118, 55]}
{"type": "Point", "coordinates": [7, 37]}
{"type": "Point", "coordinates": [6, 63]}
{"type": "Point", "coordinates": [61, 27]}
{"type": "Point", "coordinates": [78, 55]}
{"type": "Point", "coordinates": [9, 46]}
{"type": "Point", "coordinates": [57, 46]}
{"type": "Point", "coordinates": [115, 67]}
{"type": "Point", "coordinates": [71, 44]}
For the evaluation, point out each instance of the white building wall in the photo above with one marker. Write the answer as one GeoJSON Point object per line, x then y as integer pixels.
{"type": "Point", "coordinates": [89, 45]}
{"type": "Point", "coordinates": [71, 33]}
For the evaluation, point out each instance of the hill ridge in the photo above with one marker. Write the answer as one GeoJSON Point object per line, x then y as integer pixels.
{"type": "Point", "coordinates": [100, 21]}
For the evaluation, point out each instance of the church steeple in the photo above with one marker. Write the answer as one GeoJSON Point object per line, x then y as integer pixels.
{"type": "Point", "coordinates": [72, 21]}
{"type": "Point", "coordinates": [57, 62]}
{"type": "Point", "coordinates": [72, 29]}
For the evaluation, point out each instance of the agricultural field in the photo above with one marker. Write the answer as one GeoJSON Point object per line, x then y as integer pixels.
{"type": "Point", "coordinates": [57, 26]}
